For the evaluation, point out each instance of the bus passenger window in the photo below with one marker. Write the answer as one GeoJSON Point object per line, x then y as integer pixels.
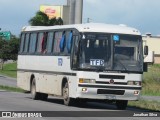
{"type": "Point", "coordinates": [44, 43]}
{"type": "Point", "coordinates": [65, 43]}
{"type": "Point", "coordinates": [57, 38]}
{"type": "Point", "coordinates": [69, 42]}
{"type": "Point", "coordinates": [22, 42]}
{"type": "Point", "coordinates": [33, 40]}
{"type": "Point", "coordinates": [62, 43]}
{"type": "Point", "coordinates": [50, 42]}
{"type": "Point", "coordinates": [26, 42]}
{"type": "Point", "coordinates": [40, 37]}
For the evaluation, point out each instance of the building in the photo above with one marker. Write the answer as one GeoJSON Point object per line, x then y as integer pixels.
{"type": "Point", "coordinates": [153, 43]}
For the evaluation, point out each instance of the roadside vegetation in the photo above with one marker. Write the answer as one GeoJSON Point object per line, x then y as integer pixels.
{"type": "Point", "coordinates": [151, 81]}
{"type": "Point", "coordinates": [144, 104]}
{"type": "Point", "coordinates": [13, 89]}
{"type": "Point", "coordinates": [9, 70]}
{"type": "Point", "coordinates": [8, 49]}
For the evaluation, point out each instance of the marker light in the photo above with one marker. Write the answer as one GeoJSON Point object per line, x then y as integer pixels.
{"type": "Point", "coordinates": [82, 80]}
{"type": "Point", "coordinates": [136, 92]}
{"type": "Point", "coordinates": [138, 83]}
{"type": "Point", "coordinates": [84, 89]}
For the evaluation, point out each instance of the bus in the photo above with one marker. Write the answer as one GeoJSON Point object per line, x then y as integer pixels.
{"type": "Point", "coordinates": [82, 62]}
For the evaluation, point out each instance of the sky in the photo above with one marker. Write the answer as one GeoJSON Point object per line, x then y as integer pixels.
{"type": "Point", "coordinates": [143, 15]}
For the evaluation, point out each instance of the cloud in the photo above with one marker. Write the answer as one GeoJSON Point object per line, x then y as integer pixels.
{"type": "Point", "coordinates": [141, 14]}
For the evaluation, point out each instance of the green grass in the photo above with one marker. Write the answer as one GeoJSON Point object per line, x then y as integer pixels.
{"type": "Point", "coordinates": [151, 81]}
{"type": "Point", "coordinates": [13, 89]}
{"type": "Point", "coordinates": [9, 70]}
{"type": "Point", "coordinates": [143, 104]}
{"type": "Point", "coordinates": [151, 89]}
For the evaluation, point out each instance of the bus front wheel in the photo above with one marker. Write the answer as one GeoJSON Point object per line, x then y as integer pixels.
{"type": "Point", "coordinates": [121, 104]}
{"type": "Point", "coordinates": [67, 100]}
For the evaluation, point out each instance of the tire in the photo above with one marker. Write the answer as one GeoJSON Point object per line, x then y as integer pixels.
{"type": "Point", "coordinates": [67, 100]}
{"type": "Point", "coordinates": [121, 104]}
{"type": "Point", "coordinates": [35, 95]}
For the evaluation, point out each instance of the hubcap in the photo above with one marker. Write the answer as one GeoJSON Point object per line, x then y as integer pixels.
{"type": "Point", "coordinates": [65, 93]}
{"type": "Point", "coordinates": [33, 89]}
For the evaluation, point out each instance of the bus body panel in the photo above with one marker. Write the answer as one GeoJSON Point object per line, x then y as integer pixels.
{"type": "Point", "coordinates": [50, 82]}
{"type": "Point", "coordinates": [47, 72]}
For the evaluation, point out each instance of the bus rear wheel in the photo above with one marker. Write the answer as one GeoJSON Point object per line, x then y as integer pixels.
{"type": "Point", "coordinates": [67, 100]}
{"type": "Point", "coordinates": [121, 104]}
{"type": "Point", "coordinates": [35, 95]}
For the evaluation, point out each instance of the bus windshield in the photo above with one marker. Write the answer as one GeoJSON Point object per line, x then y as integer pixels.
{"type": "Point", "coordinates": [102, 52]}
{"type": "Point", "coordinates": [128, 53]}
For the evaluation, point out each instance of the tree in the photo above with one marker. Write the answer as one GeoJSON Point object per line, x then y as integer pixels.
{"type": "Point", "coordinates": [8, 50]}
{"type": "Point", "coordinates": [14, 47]}
{"type": "Point", "coordinates": [3, 52]}
{"type": "Point", "coordinates": [41, 19]}
{"type": "Point", "coordinates": [59, 21]}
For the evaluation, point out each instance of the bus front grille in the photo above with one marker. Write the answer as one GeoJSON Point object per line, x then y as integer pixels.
{"type": "Point", "coordinates": [112, 76]}
{"type": "Point", "coordinates": [117, 83]}
{"type": "Point", "coordinates": [114, 92]}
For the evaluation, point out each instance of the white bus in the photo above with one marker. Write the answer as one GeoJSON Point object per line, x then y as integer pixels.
{"type": "Point", "coordinates": [81, 63]}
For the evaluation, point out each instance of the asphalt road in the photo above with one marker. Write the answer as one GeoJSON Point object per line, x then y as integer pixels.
{"type": "Point", "coordinates": [7, 81]}
{"type": "Point", "coordinates": [11, 101]}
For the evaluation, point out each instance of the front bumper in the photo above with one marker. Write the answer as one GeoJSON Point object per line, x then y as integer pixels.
{"type": "Point", "coordinates": [109, 92]}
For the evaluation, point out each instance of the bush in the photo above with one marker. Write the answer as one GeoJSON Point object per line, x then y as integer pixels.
{"type": "Point", "coordinates": [8, 49]}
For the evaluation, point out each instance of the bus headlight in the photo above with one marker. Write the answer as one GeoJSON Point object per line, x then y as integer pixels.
{"type": "Point", "coordinates": [138, 83]}
{"type": "Point", "coordinates": [82, 80]}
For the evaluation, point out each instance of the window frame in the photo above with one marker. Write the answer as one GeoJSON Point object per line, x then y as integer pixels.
{"type": "Point", "coordinates": [39, 42]}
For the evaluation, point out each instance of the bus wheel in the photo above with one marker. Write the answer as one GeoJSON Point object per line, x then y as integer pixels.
{"type": "Point", "coordinates": [67, 100]}
{"type": "Point", "coordinates": [121, 104]}
{"type": "Point", "coordinates": [35, 95]}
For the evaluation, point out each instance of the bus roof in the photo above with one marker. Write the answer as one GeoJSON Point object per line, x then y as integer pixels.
{"type": "Point", "coordinates": [88, 27]}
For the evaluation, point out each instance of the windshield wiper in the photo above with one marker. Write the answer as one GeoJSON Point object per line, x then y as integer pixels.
{"type": "Point", "coordinates": [122, 65]}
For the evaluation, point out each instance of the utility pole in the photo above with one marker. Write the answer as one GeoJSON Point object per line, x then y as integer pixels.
{"type": "Point", "coordinates": [75, 11]}
{"type": "Point", "coordinates": [71, 11]}
{"type": "Point", "coordinates": [68, 2]}
{"type": "Point", "coordinates": [78, 11]}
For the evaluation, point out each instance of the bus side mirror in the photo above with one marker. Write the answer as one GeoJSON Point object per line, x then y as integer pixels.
{"type": "Point", "coordinates": [145, 50]}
